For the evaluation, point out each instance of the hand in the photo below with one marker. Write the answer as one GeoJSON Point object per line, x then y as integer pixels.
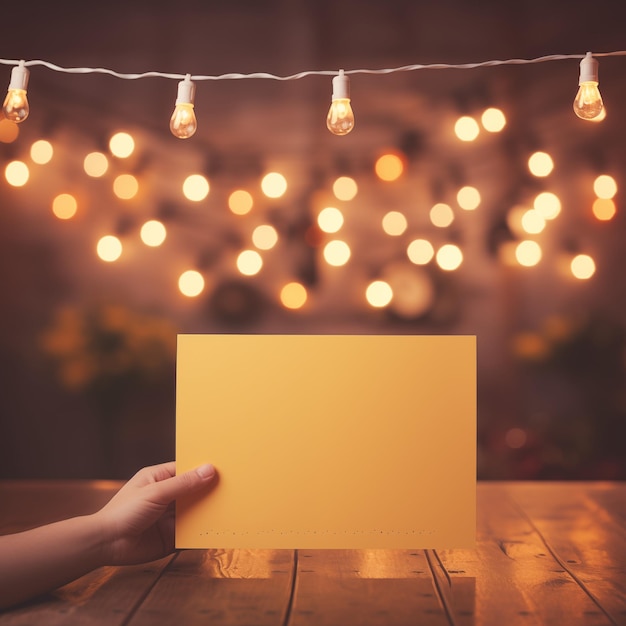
{"type": "Point", "coordinates": [137, 524]}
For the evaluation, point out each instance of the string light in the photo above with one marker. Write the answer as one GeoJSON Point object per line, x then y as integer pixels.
{"type": "Point", "coordinates": [588, 102]}
{"type": "Point", "coordinates": [15, 107]}
{"type": "Point", "coordinates": [340, 118]}
{"type": "Point", "coordinates": [591, 107]}
{"type": "Point", "coordinates": [183, 123]}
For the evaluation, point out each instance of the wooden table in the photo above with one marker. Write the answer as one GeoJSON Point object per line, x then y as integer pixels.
{"type": "Point", "coordinates": [547, 553]}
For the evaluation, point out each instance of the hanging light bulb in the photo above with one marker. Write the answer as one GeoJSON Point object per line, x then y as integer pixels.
{"type": "Point", "coordinates": [183, 123]}
{"type": "Point", "coordinates": [588, 102]}
{"type": "Point", "coordinates": [340, 119]}
{"type": "Point", "coordinates": [15, 107]}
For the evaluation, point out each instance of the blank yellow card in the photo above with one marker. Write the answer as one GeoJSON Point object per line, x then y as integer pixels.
{"type": "Point", "coordinates": [328, 441]}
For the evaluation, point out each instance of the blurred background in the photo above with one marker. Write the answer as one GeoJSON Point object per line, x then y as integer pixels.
{"type": "Point", "coordinates": [508, 224]}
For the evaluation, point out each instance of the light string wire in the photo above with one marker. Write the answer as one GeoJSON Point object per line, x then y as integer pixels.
{"type": "Point", "coordinates": [300, 75]}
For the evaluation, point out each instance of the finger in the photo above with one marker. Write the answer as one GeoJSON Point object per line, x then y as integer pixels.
{"type": "Point", "coordinates": [171, 488]}
{"type": "Point", "coordinates": [154, 473]}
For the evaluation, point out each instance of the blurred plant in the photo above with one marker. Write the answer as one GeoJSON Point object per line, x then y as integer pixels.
{"type": "Point", "coordinates": [100, 347]}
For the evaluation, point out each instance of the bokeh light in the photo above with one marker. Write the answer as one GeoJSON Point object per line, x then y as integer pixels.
{"type": "Point", "coordinates": [389, 167]}
{"type": "Point", "coordinates": [412, 287]}
{"type": "Point", "coordinates": [466, 128]}
{"type": "Point", "coordinates": [449, 257]}
{"type": "Point", "coordinates": [9, 131]}
{"type": "Point", "coordinates": [41, 152]}
{"type": "Point", "coordinates": [605, 187]}
{"type": "Point", "coordinates": [249, 262]}
{"type": "Point", "coordinates": [515, 438]}
{"type": "Point", "coordinates": [540, 164]}
{"type": "Point", "coordinates": [153, 233]}
{"type": "Point", "coordinates": [345, 188]}
{"type": "Point", "coordinates": [394, 223]}
{"type": "Point", "coordinates": [583, 266]}
{"type": "Point", "coordinates": [336, 252]}
{"type": "Point", "coordinates": [604, 209]}
{"type": "Point", "coordinates": [125, 186]}
{"type": "Point", "coordinates": [240, 202]}
{"type": "Point", "coordinates": [293, 295]}
{"type": "Point", "coordinates": [533, 222]}
{"type": "Point", "coordinates": [109, 248]}
{"type": "Point", "coordinates": [441, 215]}
{"type": "Point", "coordinates": [468, 198]}
{"type": "Point", "coordinates": [196, 187]}
{"type": "Point", "coordinates": [493, 120]}
{"type": "Point", "coordinates": [64, 206]}
{"type": "Point", "coordinates": [264, 237]}
{"type": "Point", "coordinates": [96, 164]}
{"type": "Point", "coordinates": [191, 283]}
{"type": "Point", "coordinates": [122, 145]}
{"type": "Point", "coordinates": [330, 219]}
{"type": "Point", "coordinates": [379, 294]}
{"type": "Point", "coordinates": [420, 251]}
{"type": "Point", "coordinates": [17, 173]}
{"type": "Point", "coordinates": [274, 185]}
{"type": "Point", "coordinates": [547, 204]}
{"type": "Point", "coordinates": [528, 253]}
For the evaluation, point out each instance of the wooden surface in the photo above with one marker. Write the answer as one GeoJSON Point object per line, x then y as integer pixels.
{"type": "Point", "coordinates": [547, 553]}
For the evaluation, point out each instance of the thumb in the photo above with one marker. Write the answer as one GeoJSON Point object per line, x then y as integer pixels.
{"type": "Point", "coordinates": [171, 488]}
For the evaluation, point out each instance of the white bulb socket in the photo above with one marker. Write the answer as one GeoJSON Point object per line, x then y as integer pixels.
{"type": "Point", "coordinates": [186, 91]}
{"type": "Point", "coordinates": [588, 70]}
{"type": "Point", "coordinates": [341, 86]}
{"type": "Point", "coordinates": [19, 77]}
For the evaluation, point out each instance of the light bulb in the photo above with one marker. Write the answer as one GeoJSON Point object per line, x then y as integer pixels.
{"type": "Point", "coordinates": [340, 119]}
{"type": "Point", "coordinates": [588, 102]}
{"type": "Point", "coordinates": [183, 123]}
{"type": "Point", "coordinates": [15, 107]}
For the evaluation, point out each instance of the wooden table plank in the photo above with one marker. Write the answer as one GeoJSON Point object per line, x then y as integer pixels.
{"type": "Point", "coordinates": [365, 587]}
{"type": "Point", "coordinates": [583, 527]}
{"type": "Point", "coordinates": [518, 581]}
{"type": "Point", "coordinates": [221, 587]}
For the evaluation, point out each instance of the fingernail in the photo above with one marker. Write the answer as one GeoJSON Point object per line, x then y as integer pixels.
{"type": "Point", "coordinates": [205, 471]}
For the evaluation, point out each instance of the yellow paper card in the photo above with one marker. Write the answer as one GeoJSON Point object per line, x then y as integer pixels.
{"type": "Point", "coordinates": [328, 441]}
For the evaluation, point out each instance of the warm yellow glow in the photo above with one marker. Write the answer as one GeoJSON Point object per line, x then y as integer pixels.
{"type": "Point", "coordinates": [340, 118]}
{"type": "Point", "coordinates": [588, 102]}
{"type": "Point", "coordinates": [413, 290]}
{"type": "Point", "coordinates": [600, 117]}
{"type": "Point", "coordinates": [196, 187]}
{"type": "Point", "coordinates": [125, 186]}
{"type": "Point", "coordinates": [583, 266]}
{"type": "Point", "coordinates": [441, 215]}
{"type": "Point", "coordinates": [345, 188]}
{"type": "Point", "coordinates": [379, 294]}
{"type": "Point", "coordinates": [514, 219]}
{"type": "Point", "coordinates": [9, 131]}
{"type": "Point", "coordinates": [41, 152]}
{"type": "Point", "coordinates": [122, 145]}
{"type": "Point", "coordinates": [540, 164]}
{"type": "Point", "coordinates": [605, 187]}
{"type": "Point", "coordinates": [264, 237]}
{"type": "Point", "coordinates": [468, 198]}
{"type": "Point", "coordinates": [293, 296]}
{"type": "Point", "coordinates": [515, 438]}
{"type": "Point", "coordinates": [15, 106]}
{"type": "Point", "coordinates": [420, 251]}
{"type": "Point", "coordinates": [240, 202]}
{"type": "Point", "coordinates": [389, 167]}
{"type": "Point", "coordinates": [507, 253]}
{"type": "Point", "coordinates": [64, 206]}
{"type": "Point", "coordinates": [394, 223]}
{"type": "Point", "coordinates": [16, 173]}
{"type": "Point", "coordinates": [274, 185]}
{"type": "Point", "coordinates": [604, 209]}
{"type": "Point", "coordinates": [528, 253]}
{"type": "Point", "coordinates": [191, 283]}
{"type": "Point", "coordinates": [183, 123]}
{"type": "Point", "coordinates": [493, 120]}
{"type": "Point", "coordinates": [109, 248]}
{"type": "Point", "coordinates": [96, 164]}
{"type": "Point", "coordinates": [449, 257]}
{"type": "Point", "coordinates": [249, 262]}
{"type": "Point", "coordinates": [153, 233]}
{"type": "Point", "coordinates": [548, 204]}
{"type": "Point", "coordinates": [466, 128]}
{"type": "Point", "coordinates": [533, 222]}
{"type": "Point", "coordinates": [336, 252]}
{"type": "Point", "coordinates": [330, 219]}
